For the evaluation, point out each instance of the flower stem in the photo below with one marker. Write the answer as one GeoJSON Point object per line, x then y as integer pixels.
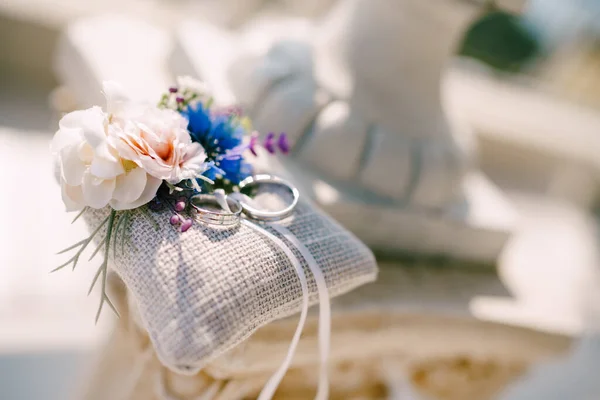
{"type": "Point", "coordinates": [103, 269]}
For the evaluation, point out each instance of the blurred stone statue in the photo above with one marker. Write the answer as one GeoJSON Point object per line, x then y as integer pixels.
{"type": "Point", "coordinates": [357, 86]}
{"type": "Point", "coordinates": [359, 93]}
{"type": "Point", "coordinates": [233, 13]}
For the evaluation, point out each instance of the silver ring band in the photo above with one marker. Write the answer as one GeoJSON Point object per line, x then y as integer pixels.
{"type": "Point", "coordinates": [215, 216]}
{"type": "Point", "coordinates": [264, 215]}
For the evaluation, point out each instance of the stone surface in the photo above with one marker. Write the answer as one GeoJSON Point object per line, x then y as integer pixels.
{"type": "Point", "coordinates": [406, 182]}
{"type": "Point", "coordinates": [82, 64]}
{"type": "Point", "coordinates": [542, 139]}
{"type": "Point", "coordinates": [47, 330]}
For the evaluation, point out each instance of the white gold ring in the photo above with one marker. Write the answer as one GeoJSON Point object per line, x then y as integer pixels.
{"type": "Point", "coordinates": [263, 215]}
{"type": "Point", "coordinates": [208, 210]}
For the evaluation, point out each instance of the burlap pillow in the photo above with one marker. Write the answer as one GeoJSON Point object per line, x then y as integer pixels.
{"type": "Point", "coordinates": [202, 292]}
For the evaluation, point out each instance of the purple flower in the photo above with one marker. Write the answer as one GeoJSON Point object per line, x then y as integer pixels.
{"type": "Point", "coordinates": [269, 143]}
{"type": "Point", "coordinates": [235, 153]}
{"type": "Point", "coordinates": [253, 143]}
{"type": "Point", "coordinates": [283, 143]}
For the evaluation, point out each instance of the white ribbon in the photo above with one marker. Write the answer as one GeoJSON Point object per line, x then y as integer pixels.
{"type": "Point", "coordinates": [323, 295]}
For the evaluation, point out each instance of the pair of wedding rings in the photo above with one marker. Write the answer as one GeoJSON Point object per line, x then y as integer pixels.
{"type": "Point", "coordinates": [211, 210]}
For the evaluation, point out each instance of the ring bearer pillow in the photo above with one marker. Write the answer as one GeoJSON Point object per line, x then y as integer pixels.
{"type": "Point", "coordinates": [199, 288]}
{"type": "Point", "coordinates": [203, 292]}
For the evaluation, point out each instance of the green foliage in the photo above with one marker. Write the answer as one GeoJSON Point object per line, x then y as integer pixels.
{"type": "Point", "coordinates": [117, 224]}
{"type": "Point", "coordinates": [501, 41]}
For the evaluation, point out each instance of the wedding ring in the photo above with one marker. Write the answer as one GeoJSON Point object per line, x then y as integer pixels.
{"type": "Point", "coordinates": [264, 215]}
{"type": "Point", "coordinates": [208, 210]}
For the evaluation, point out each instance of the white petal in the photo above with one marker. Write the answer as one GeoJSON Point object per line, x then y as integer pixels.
{"type": "Point", "coordinates": [97, 192]}
{"type": "Point", "coordinates": [130, 186]}
{"type": "Point", "coordinates": [74, 120]}
{"type": "Point", "coordinates": [126, 151]}
{"type": "Point", "coordinates": [72, 197]}
{"type": "Point", "coordinates": [93, 125]}
{"type": "Point", "coordinates": [64, 138]}
{"type": "Point", "coordinates": [194, 154]}
{"type": "Point", "coordinates": [193, 162]}
{"type": "Point", "coordinates": [183, 136]}
{"type": "Point", "coordinates": [152, 185]}
{"type": "Point", "coordinates": [72, 168]}
{"type": "Point", "coordinates": [106, 169]}
{"type": "Point", "coordinates": [116, 98]}
{"type": "Point", "coordinates": [155, 167]}
{"type": "Point", "coordinates": [70, 132]}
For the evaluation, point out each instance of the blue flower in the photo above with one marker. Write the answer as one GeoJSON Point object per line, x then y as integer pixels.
{"type": "Point", "coordinates": [199, 123]}
{"type": "Point", "coordinates": [236, 170]}
{"type": "Point", "coordinates": [223, 136]}
{"type": "Point", "coordinates": [233, 170]}
{"type": "Point", "coordinates": [217, 133]}
{"type": "Point", "coordinates": [222, 140]}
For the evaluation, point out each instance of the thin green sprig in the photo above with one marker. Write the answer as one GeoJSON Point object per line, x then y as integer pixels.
{"type": "Point", "coordinates": [125, 235]}
{"type": "Point", "coordinates": [84, 243]}
{"type": "Point", "coordinates": [80, 214]}
{"type": "Point", "coordinates": [119, 228]}
{"type": "Point", "coordinates": [103, 269]}
{"type": "Point", "coordinates": [117, 225]}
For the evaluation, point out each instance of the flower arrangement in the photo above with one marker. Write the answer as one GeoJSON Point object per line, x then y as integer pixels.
{"type": "Point", "coordinates": [136, 157]}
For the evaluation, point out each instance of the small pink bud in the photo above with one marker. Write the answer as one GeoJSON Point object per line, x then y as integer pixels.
{"type": "Point", "coordinates": [179, 99]}
{"type": "Point", "coordinates": [180, 206]}
{"type": "Point", "coordinates": [173, 89]}
{"type": "Point", "coordinates": [186, 225]}
{"type": "Point", "coordinates": [175, 220]}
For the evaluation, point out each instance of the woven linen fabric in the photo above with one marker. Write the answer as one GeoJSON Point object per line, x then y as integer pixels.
{"type": "Point", "coordinates": [202, 292]}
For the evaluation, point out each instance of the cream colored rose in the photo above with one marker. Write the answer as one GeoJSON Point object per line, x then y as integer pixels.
{"type": "Point", "coordinates": [158, 141]}
{"type": "Point", "coordinates": [91, 171]}
{"type": "Point", "coordinates": [120, 157]}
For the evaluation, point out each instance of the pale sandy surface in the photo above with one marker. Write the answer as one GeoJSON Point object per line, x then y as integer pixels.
{"type": "Point", "coordinates": [47, 330]}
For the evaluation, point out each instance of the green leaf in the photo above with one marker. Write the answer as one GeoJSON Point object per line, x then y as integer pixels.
{"type": "Point", "coordinates": [100, 245]}
{"type": "Point", "coordinates": [84, 243]}
{"type": "Point", "coordinates": [103, 269]}
{"type": "Point", "coordinates": [119, 228]}
{"type": "Point", "coordinates": [80, 214]}
{"type": "Point", "coordinates": [72, 247]}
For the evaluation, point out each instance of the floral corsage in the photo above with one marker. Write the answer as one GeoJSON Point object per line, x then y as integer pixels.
{"type": "Point", "coordinates": [139, 158]}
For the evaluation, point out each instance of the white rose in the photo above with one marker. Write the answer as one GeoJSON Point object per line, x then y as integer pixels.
{"type": "Point", "coordinates": [91, 171]}
{"type": "Point", "coordinates": [120, 158]}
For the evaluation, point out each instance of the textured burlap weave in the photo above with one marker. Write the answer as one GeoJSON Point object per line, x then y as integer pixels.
{"type": "Point", "coordinates": [202, 292]}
